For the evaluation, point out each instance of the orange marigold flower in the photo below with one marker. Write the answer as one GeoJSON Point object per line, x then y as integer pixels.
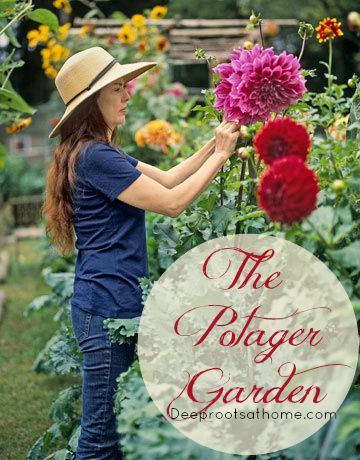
{"type": "Point", "coordinates": [140, 138]}
{"type": "Point", "coordinates": [338, 129]}
{"type": "Point", "coordinates": [328, 29]}
{"type": "Point", "coordinates": [16, 127]}
{"type": "Point", "coordinates": [271, 28]}
{"type": "Point", "coordinates": [158, 133]}
{"type": "Point", "coordinates": [142, 45]}
{"type": "Point", "coordinates": [162, 44]}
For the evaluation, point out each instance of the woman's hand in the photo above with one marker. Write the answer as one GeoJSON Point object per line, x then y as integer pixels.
{"type": "Point", "coordinates": [226, 135]}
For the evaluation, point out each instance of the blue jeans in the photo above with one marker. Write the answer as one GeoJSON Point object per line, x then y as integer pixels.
{"type": "Point", "coordinates": [103, 362]}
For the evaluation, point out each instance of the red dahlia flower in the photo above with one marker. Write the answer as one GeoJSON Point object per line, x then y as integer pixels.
{"type": "Point", "coordinates": [280, 138]}
{"type": "Point", "coordinates": [287, 190]}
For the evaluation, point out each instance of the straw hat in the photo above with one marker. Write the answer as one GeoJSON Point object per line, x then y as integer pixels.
{"type": "Point", "coordinates": [88, 71]}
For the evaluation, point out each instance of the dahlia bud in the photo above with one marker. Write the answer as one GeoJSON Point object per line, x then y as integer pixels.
{"type": "Point", "coordinates": [305, 29]}
{"type": "Point", "coordinates": [353, 21]}
{"type": "Point", "coordinates": [244, 131]}
{"type": "Point", "coordinates": [255, 18]}
{"type": "Point", "coordinates": [248, 45]}
{"type": "Point", "coordinates": [243, 153]}
{"type": "Point", "coordinates": [338, 185]}
{"type": "Point", "coordinates": [351, 83]}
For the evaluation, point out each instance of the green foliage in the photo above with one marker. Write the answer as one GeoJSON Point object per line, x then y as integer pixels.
{"type": "Point", "coordinates": [12, 105]}
{"type": "Point", "coordinates": [65, 413]}
{"type": "Point", "coordinates": [60, 355]}
{"type": "Point", "coordinates": [45, 17]}
{"type": "Point", "coordinates": [122, 330]}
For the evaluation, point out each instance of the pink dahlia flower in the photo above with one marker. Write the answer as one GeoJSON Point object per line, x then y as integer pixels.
{"type": "Point", "coordinates": [257, 82]}
{"type": "Point", "coordinates": [177, 89]}
{"type": "Point", "coordinates": [131, 85]}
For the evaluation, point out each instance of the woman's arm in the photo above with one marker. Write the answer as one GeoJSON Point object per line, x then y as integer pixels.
{"type": "Point", "coordinates": [148, 194]}
{"type": "Point", "coordinates": [183, 170]}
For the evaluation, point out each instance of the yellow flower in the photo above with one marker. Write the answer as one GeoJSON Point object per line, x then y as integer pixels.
{"type": "Point", "coordinates": [158, 12]}
{"type": "Point", "coordinates": [143, 30]}
{"type": "Point", "coordinates": [45, 53]}
{"type": "Point", "coordinates": [328, 29]}
{"type": "Point", "coordinates": [51, 42]}
{"type": "Point", "coordinates": [33, 37]}
{"type": "Point", "coordinates": [44, 32]}
{"type": "Point", "coordinates": [127, 34]}
{"type": "Point", "coordinates": [58, 53]}
{"type": "Point", "coordinates": [338, 129]}
{"type": "Point", "coordinates": [86, 29]}
{"type": "Point", "coordinates": [63, 31]}
{"type": "Point", "coordinates": [138, 20]}
{"type": "Point", "coordinates": [16, 127]}
{"type": "Point", "coordinates": [38, 35]}
{"type": "Point", "coordinates": [51, 72]}
{"type": "Point", "coordinates": [63, 5]}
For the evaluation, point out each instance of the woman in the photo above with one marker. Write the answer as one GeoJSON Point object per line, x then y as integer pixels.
{"type": "Point", "coordinates": [102, 193]}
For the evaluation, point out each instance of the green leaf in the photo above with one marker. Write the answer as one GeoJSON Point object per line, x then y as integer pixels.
{"type": "Point", "coordinates": [61, 283]}
{"type": "Point", "coordinates": [40, 303]}
{"type": "Point", "coordinates": [220, 218]}
{"type": "Point", "coordinates": [45, 17]}
{"type": "Point", "coordinates": [166, 233]}
{"type": "Point", "coordinates": [347, 256]}
{"type": "Point", "coordinates": [119, 15]}
{"type": "Point", "coordinates": [6, 4]}
{"type": "Point", "coordinates": [354, 179]}
{"type": "Point", "coordinates": [12, 100]}
{"type": "Point", "coordinates": [208, 202]}
{"type": "Point", "coordinates": [74, 440]}
{"type": "Point", "coordinates": [323, 219]}
{"type": "Point", "coordinates": [122, 330]}
{"type": "Point", "coordinates": [354, 118]}
{"type": "Point", "coordinates": [63, 406]}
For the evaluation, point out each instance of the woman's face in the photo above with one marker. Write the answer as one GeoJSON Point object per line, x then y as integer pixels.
{"type": "Point", "coordinates": [112, 102]}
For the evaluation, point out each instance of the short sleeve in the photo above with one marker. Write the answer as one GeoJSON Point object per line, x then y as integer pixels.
{"type": "Point", "coordinates": [132, 160]}
{"type": "Point", "coordinates": [108, 171]}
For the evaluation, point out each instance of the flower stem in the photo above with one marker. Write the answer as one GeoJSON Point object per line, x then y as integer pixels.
{"type": "Point", "coordinates": [239, 197]}
{"type": "Point", "coordinates": [336, 169]}
{"type": "Point", "coordinates": [252, 186]}
{"type": "Point", "coordinates": [330, 64]}
{"type": "Point", "coordinates": [222, 187]}
{"type": "Point", "coordinates": [302, 47]}
{"type": "Point", "coordinates": [326, 243]}
{"type": "Point", "coordinates": [261, 35]}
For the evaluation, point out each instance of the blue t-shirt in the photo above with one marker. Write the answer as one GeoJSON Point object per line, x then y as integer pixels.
{"type": "Point", "coordinates": [111, 234]}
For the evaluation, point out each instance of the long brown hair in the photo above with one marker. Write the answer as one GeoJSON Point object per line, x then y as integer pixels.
{"type": "Point", "coordinates": [85, 124]}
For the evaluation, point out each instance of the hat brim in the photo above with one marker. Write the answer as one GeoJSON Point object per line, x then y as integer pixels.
{"type": "Point", "coordinates": [127, 71]}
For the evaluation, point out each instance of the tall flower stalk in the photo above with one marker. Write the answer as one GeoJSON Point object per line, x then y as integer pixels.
{"type": "Point", "coordinates": [327, 30]}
